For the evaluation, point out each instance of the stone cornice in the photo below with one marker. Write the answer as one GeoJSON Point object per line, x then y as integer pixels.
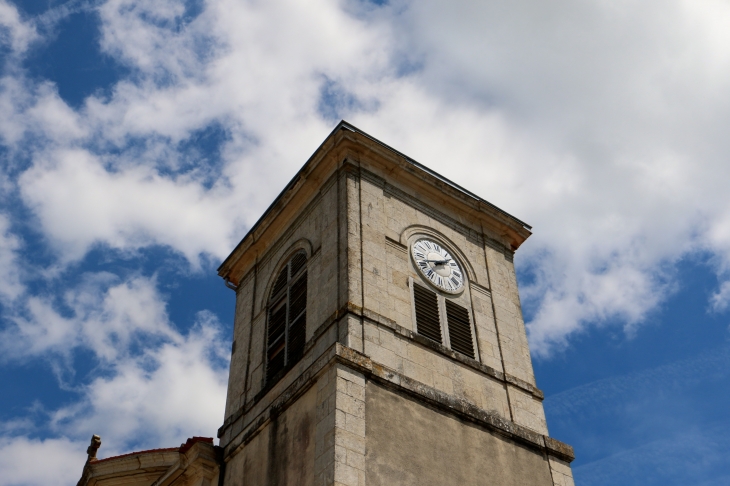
{"type": "Point", "coordinates": [445, 403]}
{"type": "Point", "coordinates": [347, 143]}
{"type": "Point", "coordinates": [382, 321]}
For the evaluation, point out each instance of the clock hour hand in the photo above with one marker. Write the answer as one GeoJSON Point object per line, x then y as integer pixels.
{"type": "Point", "coordinates": [438, 262]}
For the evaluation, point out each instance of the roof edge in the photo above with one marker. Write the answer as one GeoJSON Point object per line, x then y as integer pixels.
{"type": "Point", "coordinates": [434, 173]}
{"type": "Point", "coordinates": [290, 184]}
{"type": "Point", "coordinates": [348, 126]}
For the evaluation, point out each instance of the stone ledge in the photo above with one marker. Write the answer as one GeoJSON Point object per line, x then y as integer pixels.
{"type": "Point", "coordinates": [519, 383]}
{"type": "Point", "coordinates": [480, 288]}
{"type": "Point", "coordinates": [561, 450]}
{"type": "Point", "coordinates": [394, 380]}
{"type": "Point", "coordinates": [280, 402]}
{"type": "Point", "coordinates": [318, 334]}
{"type": "Point", "coordinates": [451, 404]}
{"type": "Point", "coordinates": [380, 320]}
{"type": "Point", "coordinates": [397, 245]}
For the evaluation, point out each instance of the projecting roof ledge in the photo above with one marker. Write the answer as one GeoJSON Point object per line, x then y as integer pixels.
{"type": "Point", "coordinates": [517, 230]}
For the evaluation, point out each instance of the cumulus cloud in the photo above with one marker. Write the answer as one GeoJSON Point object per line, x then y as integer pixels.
{"type": "Point", "coordinates": [157, 399]}
{"type": "Point", "coordinates": [720, 300]}
{"type": "Point", "coordinates": [35, 116]}
{"type": "Point", "coordinates": [597, 123]}
{"type": "Point", "coordinates": [103, 315]}
{"type": "Point", "coordinates": [14, 31]}
{"type": "Point", "coordinates": [11, 285]}
{"type": "Point", "coordinates": [26, 461]}
{"type": "Point", "coordinates": [189, 75]}
{"type": "Point", "coordinates": [80, 204]}
{"type": "Point", "coordinates": [166, 394]}
{"type": "Point", "coordinates": [153, 384]}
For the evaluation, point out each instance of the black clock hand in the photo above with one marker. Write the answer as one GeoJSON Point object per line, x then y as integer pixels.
{"type": "Point", "coordinates": [438, 262]}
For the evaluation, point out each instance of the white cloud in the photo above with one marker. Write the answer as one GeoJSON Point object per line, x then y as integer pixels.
{"type": "Point", "coordinates": [36, 112]}
{"type": "Point", "coordinates": [720, 300]}
{"type": "Point", "coordinates": [81, 204]}
{"type": "Point", "coordinates": [11, 285]}
{"type": "Point", "coordinates": [600, 124]}
{"type": "Point", "coordinates": [169, 393]}
{"type": "Point", "coordinates": [597, 123]}
{"type": "Point", "coordinates": [14, 32]}
{"type": "Point", "coordinates": [159, 399]}
{"type": "Point", "coordinates": [25, 461]}
{"type": "Point", "coordinates": [85, 197]}
{"type": "Point", "coordinates": [154, 386]}
{"type": "Point", "coordinates": [106, 316]}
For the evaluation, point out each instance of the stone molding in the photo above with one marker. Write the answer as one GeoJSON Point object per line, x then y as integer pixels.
{"type": "Point", "coordinates": [382, 321]}
{"type": "Point", "coordinates": [396, 245]}
{"type": "Point", "coordinates": [338, 353]}
{"type": "Point", "coordinates": [351, 144]}
{"type": "Point", "coordinates": [481, 289]}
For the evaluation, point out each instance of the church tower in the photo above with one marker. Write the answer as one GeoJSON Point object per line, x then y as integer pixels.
{"type": "Point", "coordinates": [378, 335]}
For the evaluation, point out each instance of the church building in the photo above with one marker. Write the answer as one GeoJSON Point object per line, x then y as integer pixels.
{"type": "Point", "coordinates": [378, 340]}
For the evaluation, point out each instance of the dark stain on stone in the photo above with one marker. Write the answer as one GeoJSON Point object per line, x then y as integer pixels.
{"type": "Point", "coordinates": [298, 453]}
{"type": "Point", "coordinates": [278, 458]}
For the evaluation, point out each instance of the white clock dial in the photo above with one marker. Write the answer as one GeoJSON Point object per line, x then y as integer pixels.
{"type": "Point", "coordinates": [437, 265]}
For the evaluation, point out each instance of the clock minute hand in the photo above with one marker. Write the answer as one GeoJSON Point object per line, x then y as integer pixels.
{"type": "Point", "coordinates": [438, 262]}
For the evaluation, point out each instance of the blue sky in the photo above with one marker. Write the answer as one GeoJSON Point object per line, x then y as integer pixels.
{"type": "Point", "coordinates": [140, 140]}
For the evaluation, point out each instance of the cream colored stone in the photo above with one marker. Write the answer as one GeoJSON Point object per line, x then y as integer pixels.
{"type": "Point", "coordinates": [527, 410]}
{"type": "Point", "coordinates": [418, 372]}
{"type": "Point", "coordinates": [384, 356]}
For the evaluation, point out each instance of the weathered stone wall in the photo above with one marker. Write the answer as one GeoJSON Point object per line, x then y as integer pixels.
{"type": "Point", "coordinates": [410, 444]}
{"type": "Point", "coordinates": [282, 453]}
{"type": "Point", "coordinates": [358, 402]}
{"type": "Point", "coordinates": [508, 313]}
{"type": "Point", "coordinates": [356, 233]}
{"type": "Point", "coordinates": [340, 436]}
{"type": "Point", "coordinates": [360, 258]}
{"type": "Point", "coordinates": [316, 231]}
{"type": "Point", "coordinates": [383, 220]}
{"type": "Point", "coordinates": [412, 359]}
{"type": "Point", "coordinates": [240, 349]}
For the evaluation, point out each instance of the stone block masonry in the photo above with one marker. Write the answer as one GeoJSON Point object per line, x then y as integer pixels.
{"type": "Point", "coordinates": [367, 379]}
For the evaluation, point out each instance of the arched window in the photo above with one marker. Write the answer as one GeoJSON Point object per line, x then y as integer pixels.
{"type": "Point", "coordinates": [287, 324]}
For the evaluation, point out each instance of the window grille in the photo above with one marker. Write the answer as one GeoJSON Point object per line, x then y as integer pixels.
{"type": "Point", "coordinates": [287, 318]}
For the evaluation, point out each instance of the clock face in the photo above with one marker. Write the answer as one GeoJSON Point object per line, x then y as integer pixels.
{"type": "Point", "coordinates": [437, 265]}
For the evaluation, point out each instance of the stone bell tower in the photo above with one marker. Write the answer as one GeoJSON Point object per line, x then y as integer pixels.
{"type": "Point", "coordinates": [378, 334]}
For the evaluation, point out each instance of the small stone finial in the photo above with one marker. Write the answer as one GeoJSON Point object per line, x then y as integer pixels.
{"type": "Point", "coordinates": [93, 447]}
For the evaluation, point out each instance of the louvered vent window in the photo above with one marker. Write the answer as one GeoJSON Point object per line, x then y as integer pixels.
{"type": "Point", "coordinates": [287, 323]}
{"type": "Point", "coordinates": [459, 328]}
{"type": "Point", "coordinates": [442, 320]}
{"type": "Point", "coordinates": [427, 313]}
